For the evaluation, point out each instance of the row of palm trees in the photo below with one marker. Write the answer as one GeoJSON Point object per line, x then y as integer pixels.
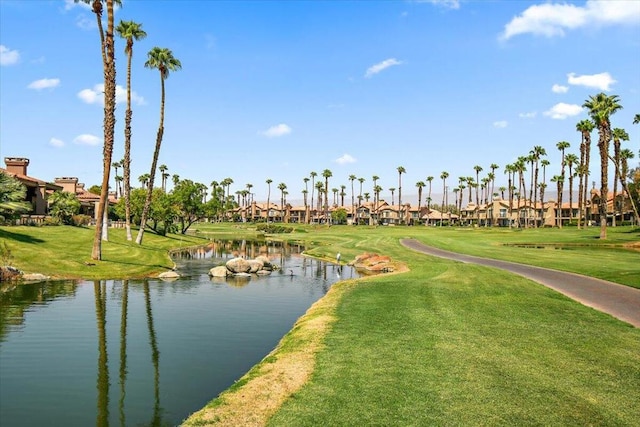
{"type": "Point", "coordinates": [158, 58]}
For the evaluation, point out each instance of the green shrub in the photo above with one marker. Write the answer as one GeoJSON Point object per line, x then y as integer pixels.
{"type": "Point", "coordinates": [5, 254]}
{"type": "Point", "coordinates": [50, 221]}
{"type": "Point", "coordinates": [273, 228]}
{"type": "Point", "coordinates": [81, 220]}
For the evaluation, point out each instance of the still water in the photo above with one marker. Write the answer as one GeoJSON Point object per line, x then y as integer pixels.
{"type": "Point", "coordinates": [147, 352]}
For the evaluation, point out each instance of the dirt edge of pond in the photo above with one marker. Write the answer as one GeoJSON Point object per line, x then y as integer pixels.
{"type": "Point", "coordinates": [255, 397]}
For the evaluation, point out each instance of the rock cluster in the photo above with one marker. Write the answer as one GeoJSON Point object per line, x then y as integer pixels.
{"type": "Point", "coordinates": [8, 273]}
{"type": "Point", "coordinates": [240, 267]}
{"type": "Point", "coordinates": [373, 263]}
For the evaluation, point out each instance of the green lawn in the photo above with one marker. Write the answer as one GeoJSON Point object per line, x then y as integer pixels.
{"type": "Point", "coordinates": [65, 252]}
{"type": "Point", "coordinates": [449, 343]}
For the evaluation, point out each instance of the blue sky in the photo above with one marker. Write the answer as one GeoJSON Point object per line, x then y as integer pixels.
{"type": "Point", "coordinates": [278, 89]}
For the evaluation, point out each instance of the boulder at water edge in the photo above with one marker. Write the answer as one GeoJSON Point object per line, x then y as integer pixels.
{"type": "Point", "coordinates": [219, 271]}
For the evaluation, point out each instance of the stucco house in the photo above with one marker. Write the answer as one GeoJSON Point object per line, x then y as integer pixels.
{"type": "Point", "coordinates": [38, 190]}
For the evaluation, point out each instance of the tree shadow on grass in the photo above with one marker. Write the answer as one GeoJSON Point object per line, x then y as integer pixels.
{"type": "Point", "coordinates": [19, 237]}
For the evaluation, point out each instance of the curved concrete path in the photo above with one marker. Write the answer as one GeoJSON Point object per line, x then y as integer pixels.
{"type": "Point", "coordinates": [622, 302]}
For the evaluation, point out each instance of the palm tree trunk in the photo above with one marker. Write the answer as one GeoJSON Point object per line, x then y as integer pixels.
{"type": "Point", "coordinates": [127, 163]}
{"type": "Point", "coordinates": [603, 146]}
{"type": "Point", "coordinates": [109, 68]}
{"type": "Point", "coordinates": [152, 173]}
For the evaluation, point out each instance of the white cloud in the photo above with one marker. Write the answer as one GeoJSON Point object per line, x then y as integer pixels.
{"type": "Point", "coordinates": [552, 19]}
{"type": "Point", "coordinates": [561, 111]}
{"type": "Point", "coordinates": [277, 131]}
{"type": "Point", "coordinates": [602, 81]}
{"type": "Point", "coordinates": [44, 84]}
{"type": "Point", "coordinates": [559, 89]}
{"type": "Point", "coordinates": [529, 115]}
{"type": "Point", "coordinates": [449, 4]}
{"type": "Point", "coordinates": [500, 124]}
{"type": "Point", "coordinates": [345, 159]}
{"type": "Point", "coordinates": [86, 139]}
{"type": "Point", "coordinates": [375, 69]}
{"type": "Point", "coordinates": [55, 142]}
{"type": "Point", "coordinates": [8, 56]}
{"type": "Point", "coordinates": [70, 4]}
{"type": "Point", "coordinates": [95, 95]}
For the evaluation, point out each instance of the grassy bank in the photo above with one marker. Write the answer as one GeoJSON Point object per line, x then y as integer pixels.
{"type": "Point", "coordinates": [451, 343]}
{"type": "Point", "coordinates": [65, 252]}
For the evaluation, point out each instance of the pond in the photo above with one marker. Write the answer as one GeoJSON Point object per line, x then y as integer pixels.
{"type": "Point", "coordinates": [147, 352]}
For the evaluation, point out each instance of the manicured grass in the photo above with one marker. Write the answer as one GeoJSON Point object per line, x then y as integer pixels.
{"type": "Point", "coordinates": [455, 344]}
{"type": "Point", "coordinates": [448, 343]}
{"type": "Point", "coordinates": [63, 252]}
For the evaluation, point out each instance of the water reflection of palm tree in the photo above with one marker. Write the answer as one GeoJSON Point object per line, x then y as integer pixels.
{"type": "Point", "coordinates": [155, 357]}
{"type": "Point", "coordinates": [123, 348]}
{"type": "Point", "coordinates": [100, 292]}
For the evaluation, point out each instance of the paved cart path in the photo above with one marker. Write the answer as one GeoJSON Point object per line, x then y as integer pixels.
{"type": "Point", "coordinates": [620, 301]}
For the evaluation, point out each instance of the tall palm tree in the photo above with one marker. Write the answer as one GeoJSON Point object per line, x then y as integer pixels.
{"type": "Point", "coordinates": [282, 187]}
{"type": "Point", "coordinates": [571, 160]}
{"type": "Point", "coordinates": [352, 178]}
{"type": "Point", "coordinates": [375, 179]}
{"type": "Point", "coordinates": [420, 186]}
{"type": "Point", "coordinates": [116, 166]}
{"type": "Point", "coordinates": [130, 31]}
{"type": "Point", "coordinates": [119, 180]}
{"type": "Point", "coordinates": [558, 180]}
{"type": "Point", "coordinates": [163, 175]}
{"type": "Point", "coordinates": [377, 190]}
{"type": "Point", "coordinates": [268, 181]}
{"type": "Point", "coordinates": [543, 184]}
{"type": "Point", "coordinates": [493, 168]}
{"type": "Point", "coordinates": [107, 51]}
{"type": "Point", "coordinates": [320, 189]}
{"type": "Point", "coordinates": [509, 169]}
{"type": "Point", "coordinates": [478, 169]}
{"type": "Point", "coordinates": [144, 180]}
{"type": "Point", "coordinates": [460, 189]}
{"type": "Point", "coordinates": [400, 170]}
{"type": "Point", "coordinates": [361, 181]}
{"type": "Point", "coordinates": [429, 181]}
{"type": "Point", "coordinates": [306, 190]}
{"type": "Point", "coordinates": [562, 146]}
{"type": "Point", "coordinates": [163, 60]}
{"type": "Point", "coordinates": [619, 135]}
{"type": "Point", "coordinates": [585, 127]}
{"type": "Point", "coordinates": [537, 152]}
{"type": "Point", "coordinates": [326, 174]}
{"type": "Point", "coordinates": [342, 194]}
{"type": "Point", "coordinates": [625, 155]}
{"type": "Point", "coordinates": [313, 187]}
{"type": "Point", "coordinates": [444, 175]}
{"type": "Point", "coordinates": [520, 167]}
{"type": "Point", "coordinates": [392, 189]}
{"type": "Point", "coordinates": [249, 193]}
{"type": "Point", "coordinates": [601, 107]}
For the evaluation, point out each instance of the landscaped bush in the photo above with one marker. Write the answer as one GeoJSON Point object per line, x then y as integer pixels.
{"type": "Point", "coordinates": [273, 228]}
{"type": "Point", "coordinates": [81, 220]}
{"type": "Point", "coordinates": [49, 221]}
